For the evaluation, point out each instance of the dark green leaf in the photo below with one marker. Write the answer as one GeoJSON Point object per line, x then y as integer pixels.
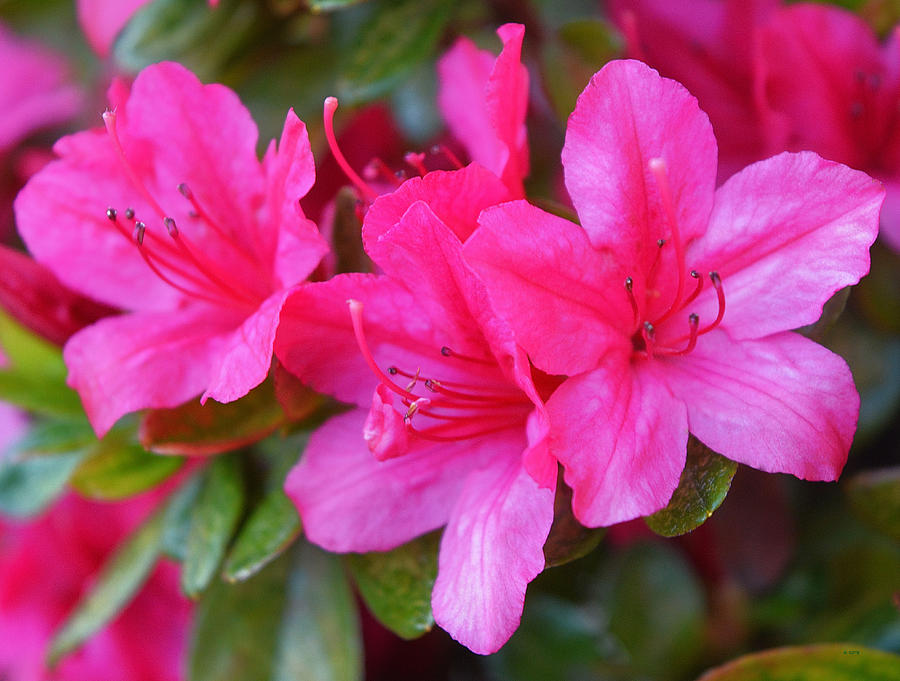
{"type": "Point", "coordinates": [121, 577]}
{"type": "Point", "coordinates": [36, 376]}
{"type": "Point", "coordinates": [320, 635]}
{"type": "Point", "coordinates": [875, 496]}
{"type": "Point", "coordinates": [269, 530]}
{"type": "Point", "coordinates": [568, 539]}
{"type": "Point", "coordinates": [187, 31]}
{"type": "Point", "coordinates": [199, 429]}
{"type": "Point", "coordinates": [396, 585]}
{"type": "Point", "coordinates": [117, 467]}
{"type": "Point", "coordinates": [178, 518]}
{"type": "Point", "coordinates": [236, 628]}
{"type": "Point", "coordinates": [825, 662]}
{"type": "Point", "coordinates": [704, 483]}
{"type": "Point", "coordinates": [28, 485]}
{"type": "Point", "coordinates": [213, 520]}
{"type": "Point", "coordinates": [401, 35]}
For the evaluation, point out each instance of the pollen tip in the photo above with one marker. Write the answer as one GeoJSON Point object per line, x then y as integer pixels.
{"type": "Point", "coordinates": [695, 274]}
{"type": "Point", "coordinates": [714, 277]}
{"type": "Point", "coordinates": [331, 105]}
{"type": "Point", "coordinates": [393, 371]}
{"type": "Point", "coordinates": [129, 213]}
{"type": "Point", "coordinates": [111, 213]}
{"type": "Point", "coordinates": [660, 243]}
{"type": "Point", "coordinates": [354, 304]}
{"type": "Point", "coordinates": [629, 282]}
{"type": "Point", "coordinates": [446, 352]}
{"type": "Point", "coordinates": [693, 318]}
{"type": "Point", "coordinates": [139, 228]}
{"type": "Point", "coordinates": [657, 164]}
{"type": "Point", "coordinates": [184, 190]}
{"type": "Point", "coordinates": [171, 227]}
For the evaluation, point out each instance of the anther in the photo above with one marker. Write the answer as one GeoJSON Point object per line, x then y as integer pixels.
{"type": "Point", "coordinates": [660, 243]}
{"type": "Point", "coordinates": [629, 285]}
{"type": "Point", "coordinates": [111, 214]}
{"type": "Point", "coordinates": [446, 352]}
{"type": "Point", "coordinates": [185, 191]}
{"type": "Point", "coordinates": [139, 228]}
{"type": "Point", "coordinates": [695, 275]}
{"type": "Point", "coordinates": [392, 371]}
{"type": "Point", "coordinates": [171, 228]}
{"type": "Point", "coordinates": [129, 213]}
{"type": "Point", "coordinates": [417, 161]}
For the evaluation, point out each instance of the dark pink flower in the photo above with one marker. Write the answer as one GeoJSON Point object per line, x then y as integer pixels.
{"type": "Point", "coordinates": [829, 86]}
{"type": "Point", "coordinates": [47, 564]}
{"type": "Point", "coordinates": [708, 46]}
{"type": "Point", "coordinates": [671, 307]}
{"type": "Point", "coordinates": [169, 214]}
{"type": "Point", "coordinates": [454, 434]}
{"type": "Point", "coordinates": [484, 101]}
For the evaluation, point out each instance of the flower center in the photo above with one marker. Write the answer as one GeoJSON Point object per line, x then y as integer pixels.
{"type": "Point", "coordinates": [447, 410]}
{"type": "Point", "coordinates": [181, 263]}
{"type": "Point", "coordinates": [645, 326]}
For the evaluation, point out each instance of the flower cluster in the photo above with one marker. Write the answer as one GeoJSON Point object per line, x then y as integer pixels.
{"type": "Point", "coordinates": [487, 354]}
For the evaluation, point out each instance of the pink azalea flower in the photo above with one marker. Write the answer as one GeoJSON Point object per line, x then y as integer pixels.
{"type": "Point", "coordinates": [34, 89]}
{"type": "Point", "coordinates": [708, 46]}
{"type": "Point", "coordinates": [448, 429]}
{"type": "Point", "coordinates": [45, 567]}
{"type": "Point", "coordinates": [830, 87]}
{"type": "Point", "coordinates": [484, 101]}
{"type": "Point", "coordinates": [176, 220]}
{"type": "Point", "coordinates": [670, 309]}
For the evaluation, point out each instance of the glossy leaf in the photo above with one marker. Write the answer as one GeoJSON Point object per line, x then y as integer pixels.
{"type": "Point", "coordinates": [116, 467]}
{"type": "Point", "coordinates": [396, 585]}
{"type": "Point", "coordinates": [198, 429]}
{"type": "Point", "coordinates": [392, 43]}
{"type": "Point", "coordinates": [568, 539]}
{"type": "Point", "coordinates": [37, 467]}
{"type": "Point", "coordinates": [185, 30]}
{"type": "Point", "coordinates": [236, 628]}
{"type": "Point", "coordinates": [320, 635]}
{"type": "Point", "coordinates": [269, 530]}
{"type": "Point", "coordinates": [331, 5]}
{"type": "Point", "coordinates": [825, 662]}
{"type": "Point", "coordinates": [704, 483]}
{"type": "Point", "coordinates": [875, 496]}
{"type": "Point", "coordinates": [35, 377]}
{"type": "Point", "coordinates": [213, 520]}
{"type": "Point", "coordinates": [120, 579]}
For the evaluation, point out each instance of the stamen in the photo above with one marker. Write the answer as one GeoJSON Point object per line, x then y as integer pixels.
{"type": "Point", "coordinates": [412, 383]}
{"type": "Point", "coordinates": [448, 352]}
{"type": "Point", "coordinates": [629, 284]}
{"type": "Point", "coordinates": [377, 167]}
{"type": "Point", "coordinates": [652, 272]}
{"type": "Point", "coordinates": [647, 332]}
{"type": "Point", "coordinates": [184, 245]}
{"type": "Point", "coordinates": [417, 161]}
{"type": "Point", "coordinates": [331, 104]}
{"type": "Point", "coordinates": [658, 168]}
{"type": "Point", "coordinates": [356, 308]}
{"type": "Point", "coordinates": [414, 407]}
{"type": "Point", "coordinates": [431, 435]}
{"type": "Point", "coordinates": [694, 323]}
{"type": "Point", "coordinates": [111, 214]}
{"type": "Point", "coordinates": [720, 294]}
{"type": "Point", "coordinates": [691, 298]}
{"type": "Point", "coordinates": [129, 213]}
{"type": "Point", "coordinates": [109, 120]}
{"type": "Point", "coordinates": [445, 150]}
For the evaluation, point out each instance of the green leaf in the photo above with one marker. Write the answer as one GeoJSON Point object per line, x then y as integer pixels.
{"type": "Point", "coordinates": [401, 35]}
{"type": "Point", "coordinates": [331, 5]}
{"type": "Point", "coordinates": [200, 429]}
{"type": "Point", "coordinates": [875, 496]}
{"type": "Point", "coordinates": [37, 467]}
{"type": "Point", "coordinates": [269, 530]}
{"type": "Point", "coordinates": [824, 662]}
{"type": "Point", "coordinates": [236, 628]}
{"type": "Point", "coordinates": [568, 539]}
{"type": "Point", "coordinates": [120, 579]}
{"type": "Point", "coordinates": [396, 585]}
{"type": "Point", "coordinates": [320, 635]}
{"type": "Point", "coordinates": [188, 31]}
{"type": "Point", "coordinates": [116, 467]}
{"type": "Point", "coordinates": [178, 518]}
{"type": "Point", "coordinates": [704, 483]}
{"type": "Point", "coordinates": [213, 521]}
{"type": "Point", "coordinates": [36, 376]}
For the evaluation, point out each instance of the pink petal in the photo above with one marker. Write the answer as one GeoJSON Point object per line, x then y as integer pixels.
{"type": "Point", "coordinates": [241, 360]}
{"type": "Point", "coordinates": [484, 103]}
{"type": "Point", "coordinates": [385, 430]}
{"type": "Point", "coordinates": [782, 404]}
{"type": "Point", "coordinates": [316, 342]}
{"type": "Point", "coordinates": [707, 46]}
{"type": "Point", "coordinates": [811, 60]}
{"type": "Point", "coordinates": [622, 438]}
{"type": "Point", "coordinates": [625, 117]}
{"type": "Point", "coordinates": [290, 173]}
{"type": "Point", "coordinates": [144, 360]}
{"type": "Point", "coordinates": [34, 92]}
{"type": "Point", "coordinates": [564, 299]}
{"type": "Point", "coordinates": [101, 20]}
{"type": "Point", "coordinates": [456, 197]}
{"type": "Point", "coordinates": [786, 234]}
{"type": "Point", "coordinates": [349, 501]}
{"type": "Point", "coordinates": [890, 214]}
{"type": "Point", "coordinates": [492, 548]}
